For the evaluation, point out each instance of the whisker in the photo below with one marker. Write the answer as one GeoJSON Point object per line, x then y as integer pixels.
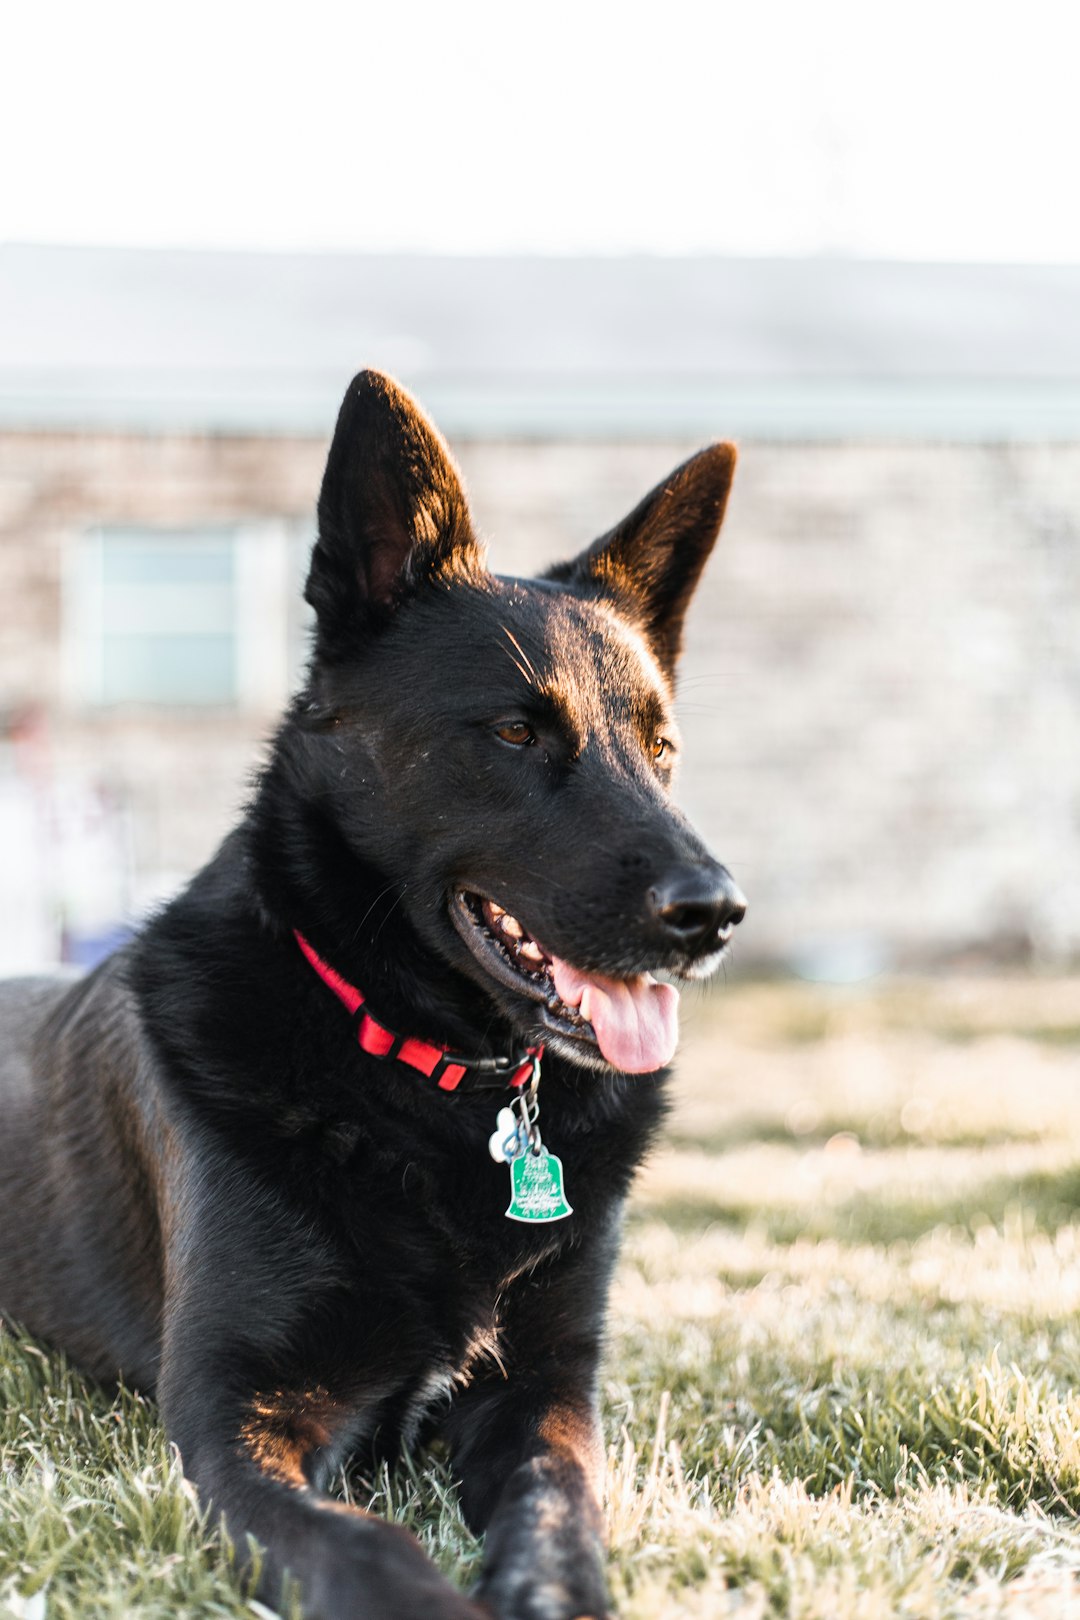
{"type": "Point", "coordinates": [381, 894]}
{"type": "Point", "coordinates": [522, 671]}
{"type": "Point", "coordinates": [389, 913]}
{"type": "Point", "coordinates": [513, 639]}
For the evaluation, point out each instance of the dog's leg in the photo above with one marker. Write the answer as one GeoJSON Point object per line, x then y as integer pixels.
{"type": "Point", "coordinates": [271, 1371]}
{"type": "Point", "coordinates": [256, 1460]}
{"type": "Point", "coordinates": [543, 1543]}
{"type": "Point", "coordinates": [526, 1443]}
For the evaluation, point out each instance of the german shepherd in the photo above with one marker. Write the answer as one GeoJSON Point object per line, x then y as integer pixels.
{"type": "Point", "coordinates": [331, 1156]}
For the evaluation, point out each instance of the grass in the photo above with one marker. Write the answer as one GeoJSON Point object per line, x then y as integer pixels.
{"type": "Point", "coordinates": [844, 1374]}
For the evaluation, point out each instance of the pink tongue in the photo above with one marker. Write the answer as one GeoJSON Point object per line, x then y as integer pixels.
{"type": "Point", "coordinates": [636, 1020]}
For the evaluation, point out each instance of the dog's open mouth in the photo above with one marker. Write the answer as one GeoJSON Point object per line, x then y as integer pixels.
{"type": "Point", "coordinates": [633, 1021]}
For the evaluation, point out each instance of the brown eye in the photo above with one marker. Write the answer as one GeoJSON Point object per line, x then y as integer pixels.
{"type": "Point", "coordinates": [661, 748]}
{"type": "Point", "coordinates": [516, 733]}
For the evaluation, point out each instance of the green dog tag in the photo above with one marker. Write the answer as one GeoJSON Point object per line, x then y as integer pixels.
{"type": "Point", "coordinates": [536, 1188]}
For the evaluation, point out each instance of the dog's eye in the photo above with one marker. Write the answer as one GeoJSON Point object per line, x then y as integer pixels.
{"type": "Point", "coordinates": [661, 748]}
{"type": "Point", "coordinates": [516, 733]}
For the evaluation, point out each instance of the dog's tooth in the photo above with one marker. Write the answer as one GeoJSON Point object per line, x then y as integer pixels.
{"type": "Point", "coordinates": [511, 926]}
{"type": "Point", "coordinates": [531, 951]}
{"type": "Point", "coordinates": [494, 910]}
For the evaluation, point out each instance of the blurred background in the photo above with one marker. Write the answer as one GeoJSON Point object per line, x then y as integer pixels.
{"type": "Point", "coordinates": [589, 244]}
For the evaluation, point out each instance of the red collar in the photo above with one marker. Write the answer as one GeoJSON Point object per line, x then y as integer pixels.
{"type": "Point", "coordinates": [448, 1069]}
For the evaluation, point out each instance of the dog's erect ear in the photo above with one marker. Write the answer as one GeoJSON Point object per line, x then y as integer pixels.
{"type": "Point", "coordinates": [652, 561]}
{"type": "Point", "coordinates": [392, 511]}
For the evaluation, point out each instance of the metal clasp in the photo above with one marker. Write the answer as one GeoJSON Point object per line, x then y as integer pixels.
{"type": "Point", "coordinates": [527, 1107]}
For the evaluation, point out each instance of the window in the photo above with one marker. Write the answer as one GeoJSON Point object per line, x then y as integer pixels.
{"type": "Point", "coordinates": [191, 617]}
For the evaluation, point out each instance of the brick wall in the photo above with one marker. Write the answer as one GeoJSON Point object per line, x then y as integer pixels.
{"type": "Point", "coordinates": [880, 699]}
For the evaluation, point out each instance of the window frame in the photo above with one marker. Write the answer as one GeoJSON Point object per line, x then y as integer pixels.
{"type": "Point", "coordinates": [260, 620]}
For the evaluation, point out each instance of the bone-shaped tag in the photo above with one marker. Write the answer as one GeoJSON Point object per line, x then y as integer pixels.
{"type": "Point", "coordinates": [505, 1144]}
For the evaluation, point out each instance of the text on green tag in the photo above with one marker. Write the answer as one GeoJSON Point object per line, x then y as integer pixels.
{"type": "Point", "coordinates": [536, 1188]}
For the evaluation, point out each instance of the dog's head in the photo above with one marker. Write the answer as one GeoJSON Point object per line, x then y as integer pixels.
{"type": "Point", "coordinates": [501, 750]}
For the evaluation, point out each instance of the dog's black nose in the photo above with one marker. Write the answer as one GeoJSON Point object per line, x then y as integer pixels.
{"type": "Point", "coordinates": [697, 908]}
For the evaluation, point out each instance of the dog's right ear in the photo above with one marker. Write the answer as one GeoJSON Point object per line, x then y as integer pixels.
{"type": "Point", "coordinates": [392, 512]}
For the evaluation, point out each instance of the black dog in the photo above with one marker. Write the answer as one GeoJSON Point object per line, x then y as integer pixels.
{"type": "Point", "coordinates": [246, 1163]}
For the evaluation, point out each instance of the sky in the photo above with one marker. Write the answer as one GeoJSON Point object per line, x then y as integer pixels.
{"type": "Point", "coordinates": [942, 130]}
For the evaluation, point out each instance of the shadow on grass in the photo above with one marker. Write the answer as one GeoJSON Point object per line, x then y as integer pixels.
{"type": "Point", "coordinates": [989, 1428]}
{"type": "Point", "coordinates": [876, 1133]}
{"type": "Point", "coordinates": [1044, 1200]}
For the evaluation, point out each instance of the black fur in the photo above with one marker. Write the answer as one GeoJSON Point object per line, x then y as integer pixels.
{"type": "Point", "coordinates": [207, 1187]}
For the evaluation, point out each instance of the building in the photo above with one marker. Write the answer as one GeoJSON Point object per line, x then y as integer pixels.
{"type": "Point", "coordinates": [883, 675]}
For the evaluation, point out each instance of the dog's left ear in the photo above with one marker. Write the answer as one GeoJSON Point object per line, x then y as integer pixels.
{"type": "Point", "coordinates": [651, 563]}
{"type": "Point", "coordinates": [392, 512]}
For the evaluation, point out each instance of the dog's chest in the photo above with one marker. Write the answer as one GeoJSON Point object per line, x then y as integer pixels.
{"type": "Point", "coordinates": [431, 1394]}
{"type": "Point", "coordinates": [430, 1247]}
{"type": "Point", "coordinates": [420, 1194]}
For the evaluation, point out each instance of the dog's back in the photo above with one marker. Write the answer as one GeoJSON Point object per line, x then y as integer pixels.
{"type": "Point", "coordinates": [80, 1250]}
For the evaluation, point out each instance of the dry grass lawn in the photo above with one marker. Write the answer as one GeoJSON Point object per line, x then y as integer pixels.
{"type": "Point", "coordinates": [844, 1372]}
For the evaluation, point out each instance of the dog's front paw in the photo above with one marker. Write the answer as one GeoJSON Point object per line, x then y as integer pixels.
{"type": "Point", "coordinates": [522, 1594]}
